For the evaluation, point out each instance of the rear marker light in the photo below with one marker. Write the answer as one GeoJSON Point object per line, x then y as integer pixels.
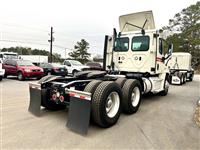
{"type": "Point", "coordinates": [71, 94]}
{"type": "Point", "coordinates": [61, 98]}
{"type": "Point", "coordinates": [54, 97]}
{"type": "Point", "coordinates": [82, 97]}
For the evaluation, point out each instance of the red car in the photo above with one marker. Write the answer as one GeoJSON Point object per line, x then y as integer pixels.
{"type": "Point", "coordinates": [22, 69]}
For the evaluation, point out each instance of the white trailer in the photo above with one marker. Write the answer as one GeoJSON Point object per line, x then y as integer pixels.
{"type": "Point", "coordinates": [35, 59]}
{"type": "Point", "coordinates": [8, 55]}
{"type": "Point", "coordinates": [180, 68]}
{"type": "Point", "coordinates": [134, 64]}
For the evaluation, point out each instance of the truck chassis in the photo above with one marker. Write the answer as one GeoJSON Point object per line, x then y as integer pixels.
{"type": "Point", "coordinates": [91, 94]}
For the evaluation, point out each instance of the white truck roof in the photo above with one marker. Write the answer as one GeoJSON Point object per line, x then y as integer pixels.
{"type": "Point", "coordinates": [137, 19]}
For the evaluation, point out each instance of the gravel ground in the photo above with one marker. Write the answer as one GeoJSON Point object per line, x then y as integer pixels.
{"type": "Point", "coordinates": [161, 123]}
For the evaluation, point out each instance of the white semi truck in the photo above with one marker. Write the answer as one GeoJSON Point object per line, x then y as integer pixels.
{"type": "Point", "coordinates": [134, 64]}
{"type": "Point", "coordinates": [180, 68]}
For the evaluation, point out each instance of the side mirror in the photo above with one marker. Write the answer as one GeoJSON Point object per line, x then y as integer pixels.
{"type": "Point", "coordinates": [119, 34]}
{"type": "Point", "coordinates": [69, 65]}
{"type": "Point", "coordinates": [114, 33]}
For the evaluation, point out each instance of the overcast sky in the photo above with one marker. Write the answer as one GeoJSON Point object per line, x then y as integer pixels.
{"type": "Point", "coordinates": [29, 21]}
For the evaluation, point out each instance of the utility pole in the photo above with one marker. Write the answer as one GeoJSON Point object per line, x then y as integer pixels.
{"type": "Point", "coordinates": [51, 44]}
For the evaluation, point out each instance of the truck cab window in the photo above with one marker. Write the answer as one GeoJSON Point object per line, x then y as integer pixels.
{"type": "Point", "coordinates": [121, 44]}
{"type": "Point", "coordinates": [140, 43]}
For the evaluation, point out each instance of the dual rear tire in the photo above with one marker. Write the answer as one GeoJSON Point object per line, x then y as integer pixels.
{"type": "Point", "coordinates": [109, 98]}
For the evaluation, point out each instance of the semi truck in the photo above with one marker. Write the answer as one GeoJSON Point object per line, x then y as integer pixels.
{"type": "Point", "coordinates": [180, 68]}
{"type": "Point", "coordinates": [134, 64]}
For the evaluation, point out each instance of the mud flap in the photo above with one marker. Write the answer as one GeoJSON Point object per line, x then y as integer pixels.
{"type": "Point", "coordinates": [35, 100]}
{"type": "Point", "coordinates": [79, 115]}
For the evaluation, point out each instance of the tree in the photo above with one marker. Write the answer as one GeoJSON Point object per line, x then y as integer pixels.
{"type": "Point", "coordinates": [187, 23]}
{"type": "Point", "coordinates": [80, 53]}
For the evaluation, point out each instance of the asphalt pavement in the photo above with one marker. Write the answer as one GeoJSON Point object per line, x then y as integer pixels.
{"type": "Point", "coordinates": [161, 123]}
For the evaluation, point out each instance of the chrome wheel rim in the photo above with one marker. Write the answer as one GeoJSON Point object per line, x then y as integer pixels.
{"type": "Point", "coordinates": [112, 104]}
{"type": "Point", "coordinates": [135, 96]}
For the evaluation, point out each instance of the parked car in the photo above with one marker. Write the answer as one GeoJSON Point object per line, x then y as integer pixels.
{"type": "Point", "coordinates": [94, 66]}
{"type": "Point", "coordinates": [74, 66]}
{"type": "Point", "coordinates": [22, 69]}
{"type": "Point", "coordinates": [54, 69]}
{"type": "Point", "coordinates": [2, 71]}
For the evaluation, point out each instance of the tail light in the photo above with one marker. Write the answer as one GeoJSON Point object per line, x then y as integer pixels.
{"type": "Point", "coordinates": [54, 97]}
{"type": "Point", "coordinates": [61, 98]}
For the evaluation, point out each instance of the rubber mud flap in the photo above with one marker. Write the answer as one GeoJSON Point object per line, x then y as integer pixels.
{"type": "Point", "coordinates": [35, 101]}
{"type": "Point", "coordinates": [79, 115]}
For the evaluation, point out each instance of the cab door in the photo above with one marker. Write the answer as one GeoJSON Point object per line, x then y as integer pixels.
{"type": "Point", "coordinates": [160, 56]}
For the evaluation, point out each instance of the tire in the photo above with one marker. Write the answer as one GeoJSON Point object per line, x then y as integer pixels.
{"type": "Point", "coordinates": [121, 81]}
{"type": "Point", "coordinates": [50, 105]}
{"type": "Point", "coordinates": [91, 87]}
{"type": "Point", "coordinates": [185, 78]}
{"type": "Point", "coordinates": [181, 78]}
{"type": "Point", "coordinates": [166, 88]}
{"type": "Point", "coordinates": [1, 78]}
{"type": "Point", "coordinates": [20, 76]}
{"type": "Point", "coordinates": [106, 104]}
{"type": "Point", "coordinates": [74, 72]}
{"type": "Point", "coordinates": [131, 86]}
{"type": "Point", "coordinates": [191, 77]}
{"type": "Point", "coordinates": [5, 75]}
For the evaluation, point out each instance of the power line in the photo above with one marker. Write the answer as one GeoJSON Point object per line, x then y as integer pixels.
{"type": "Point", "coordinates": [22, 26]}
{"type": "Point", "coordinates": [14, 41]}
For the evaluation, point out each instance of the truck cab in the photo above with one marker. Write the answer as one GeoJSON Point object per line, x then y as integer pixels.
{"type": "Point", "coordinates": [134, 49]}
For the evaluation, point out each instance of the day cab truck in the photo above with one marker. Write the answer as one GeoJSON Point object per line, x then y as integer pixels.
{"type": "Point", "coordinates": [180, 68]}
{"type": "Point", "coordinates": [134, 64]}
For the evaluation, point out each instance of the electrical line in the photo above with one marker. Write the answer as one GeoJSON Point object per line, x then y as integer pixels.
{"type": "Point", "coordinates": [24, 27]}
{"type": "Point", "coordinates": [23, 42]}
{"type": "Point", "coordinates": [14, 41]}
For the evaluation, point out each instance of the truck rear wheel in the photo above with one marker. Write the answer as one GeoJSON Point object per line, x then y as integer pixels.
{"type": "Point", "coordinates": [131, 96]}
{"type": "Point", "coordinates": [106, 104]}
{"type": "Point", "coordinates": [121, 81]}
{"type": "Point", "coordinates": [91, 87]}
